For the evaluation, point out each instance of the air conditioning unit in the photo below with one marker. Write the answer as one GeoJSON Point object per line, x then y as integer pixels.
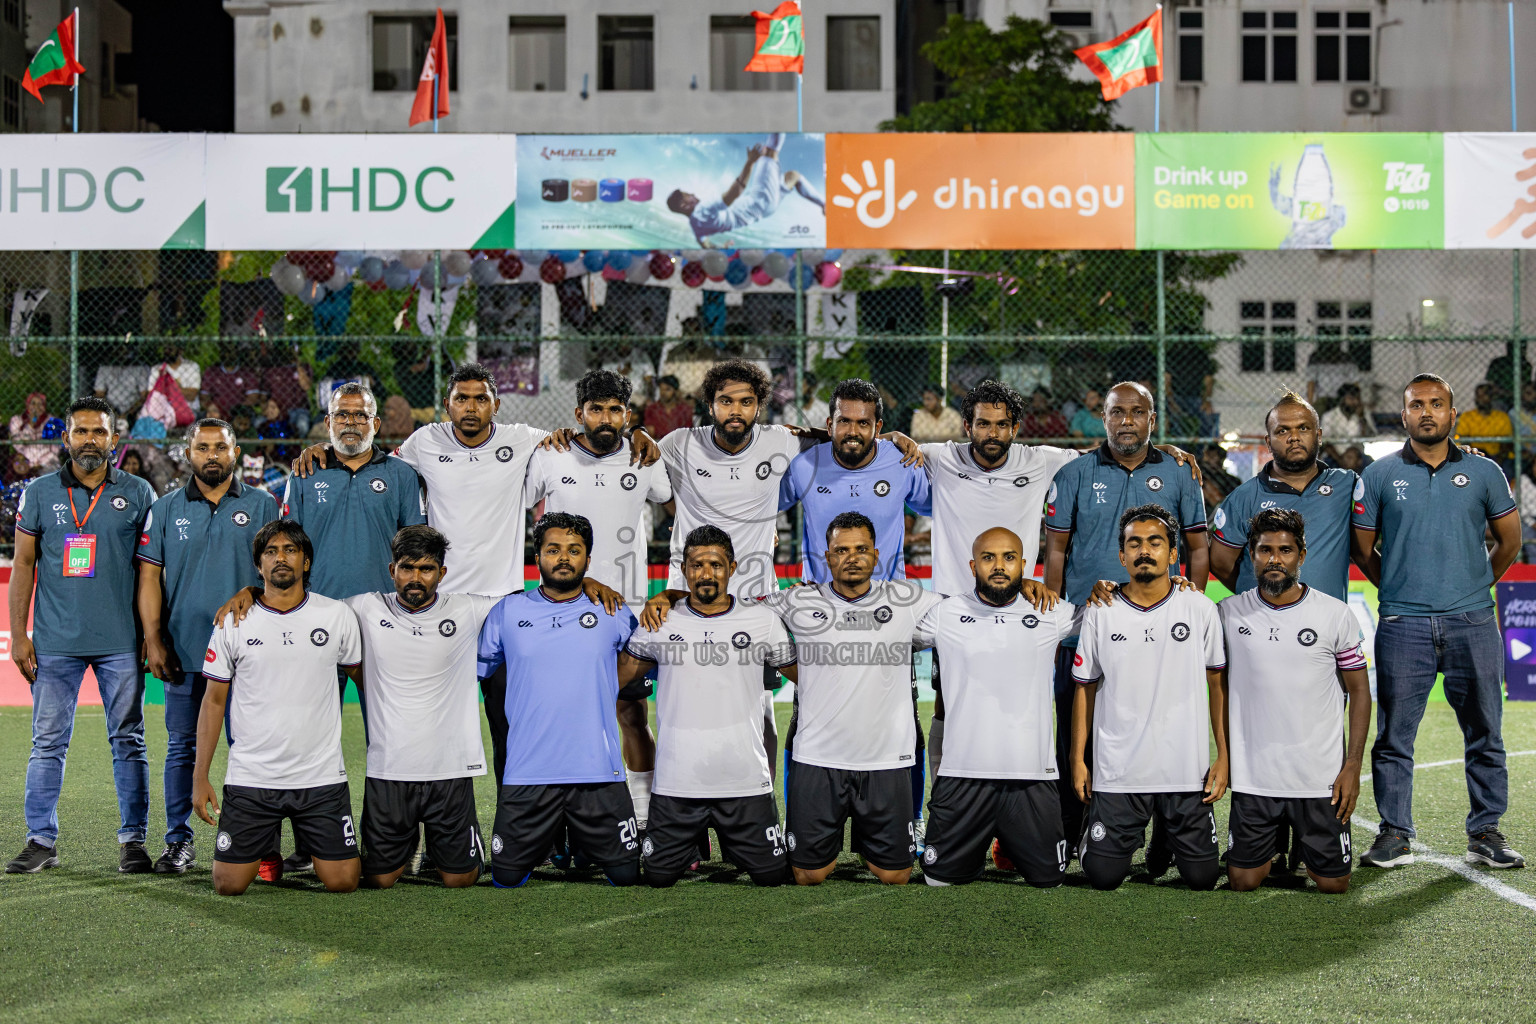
{"type": "Point", "coordinates": [1362, 99]}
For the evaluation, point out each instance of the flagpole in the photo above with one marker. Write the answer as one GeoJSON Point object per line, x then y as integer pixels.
{"type": "Point", "coordinates": [1162, 297]}
{"type": "Point", "coordinates": [75, 121]}
{"type": "Point", "coordinates": [74, 254]}
{"type": "Point", "coordinates": [800, 105]}
{"type": "Point", "coordinates": [435, 81]}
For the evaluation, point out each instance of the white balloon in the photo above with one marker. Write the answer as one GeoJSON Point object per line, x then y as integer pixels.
{"type": "Point", "coordinates": [751, 257]}
{"type": "Point", "coordinates": [485, 272]}
{"type": "Point", "coordinates": [714, 263]}
{"type": "Point", "coordinates": [414, 259]}
{"type": "Point", "coordinates": [776, 264]}
{"type": "Point", "coordinates": [291, 280]}
{"type": "Point", "coordinates": [339, 279]}
{"type": "Point", "coordinates": [639, 272]}
{"type": "Point", "coordinates": [694, 255]}
{"type": "Point", "coordinates": [458, 262]}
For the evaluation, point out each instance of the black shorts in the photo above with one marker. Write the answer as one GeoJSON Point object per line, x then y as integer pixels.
{"type": "Point", "coordinates": [393, 810]}
{"type": "Point", "coordinates": [964, 815]}
{"type": "Point", "coordinates": [1117, 824]}
{"type": "Point", "coordinates": [251, 822]}
{"type": "Point", "coordinates": [748, 826]}
{"type": "Point", "coordinates": [1324, 838]}
{"type": "Point", "coordinates": [599, 816]}
{"type": "Point", "coordinates": [821, 800]}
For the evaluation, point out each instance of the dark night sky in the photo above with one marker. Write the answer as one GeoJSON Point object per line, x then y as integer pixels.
{"type": "Point", "coordinates": [184, 58]}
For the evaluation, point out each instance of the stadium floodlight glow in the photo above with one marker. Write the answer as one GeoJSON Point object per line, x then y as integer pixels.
{"type": "Point", "coordinates": [1428, 302]}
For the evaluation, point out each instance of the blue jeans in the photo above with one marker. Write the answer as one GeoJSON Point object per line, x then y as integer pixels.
{"type": "Point", "coordinates": [54, 696]}
{"type": "Point", "coordinates": [1469, 650]}
{"type": "Point", "coordinates": [183, 701]}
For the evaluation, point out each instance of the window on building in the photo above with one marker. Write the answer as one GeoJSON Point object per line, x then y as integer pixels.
{"type": "Point", "coordinates": [1076, 24]}
{"type": "Point", "coordinates": [853, 54]}
{"type": "Point", "coordinates": [10, 12]}
{"type": "Point", "coordinates": [10, 103]}
{"type": "Point", "coordinates": [1348, 320]}
{"type": "Point", "coordinates": [732, 41]}
{"type": "Point", "coordinates": [1269, 46]}
{"type": "Point", "coordinates": [626, 52]}
{"type": "Point", "coordinates": [400, 44]}
{"type": "Point", "coordinates": [1191, 46]}
{"type": "Point", "coordinates": [1342, 46]}
{"type": "Point", "coordinates": [104, 71]}
{"type": "Point", "coordinates": [1269, 331]}
{"type": "Point", "coordinates": [536, 53]}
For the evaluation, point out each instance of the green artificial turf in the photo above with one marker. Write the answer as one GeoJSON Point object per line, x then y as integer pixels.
{"type": "Point", "coordinates": [1414, 944]}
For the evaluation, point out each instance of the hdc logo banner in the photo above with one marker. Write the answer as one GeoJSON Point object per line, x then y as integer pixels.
{"type": "Point", "coordinates": [361, 191]}
{"type": "Point", "coordinates": [981, 191]}
{"type": "Point", "coordinates": [1490, 193]}
{"type": "Point", "coordinates": [101, 192]}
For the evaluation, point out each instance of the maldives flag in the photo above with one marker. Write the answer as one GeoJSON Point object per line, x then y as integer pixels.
{"type": "Point", "coordinates": [1131, 59]}
{"type": "Point", "coordinates": [780, 40]}
{"type": "Point", "coordinates": [436, 67]}
{"type": "Point", "coordinates": [55, 62]}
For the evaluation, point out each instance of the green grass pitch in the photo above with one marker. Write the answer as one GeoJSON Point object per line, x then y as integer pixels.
{"type": "Point", "coordinates": [1415, 944]}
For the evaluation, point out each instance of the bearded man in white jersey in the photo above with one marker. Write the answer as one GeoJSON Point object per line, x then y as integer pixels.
{"type": "Point", "coordinates": [1149, 671]}
{"type": "Point", "coordinates": [594, 477]}
{"type": "Point", "coordinates": [1288, 646]}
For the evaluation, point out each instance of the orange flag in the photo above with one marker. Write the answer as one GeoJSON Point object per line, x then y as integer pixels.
{"type": "Point", "coordinates": [435, 70]}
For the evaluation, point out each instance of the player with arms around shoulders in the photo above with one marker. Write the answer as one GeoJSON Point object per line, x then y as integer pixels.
{"type": "Point", "coordinates": [274, 674]}
{"type": "Point", "coordinates": [1288, 645]}
{"type": "Point", "coordinates": [420, 646]}
{"type": "Point", "coordinates": [711, 768]}
{"type": "Point", "coordinates": [999, 778]}
{"type": "Point", "coordinates": [1147, 667]}
{"type": "Point", "coordinates": [564, 769]}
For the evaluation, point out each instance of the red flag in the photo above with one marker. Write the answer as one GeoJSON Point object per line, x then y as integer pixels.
{"type": "Point", "coordinates": [780, 40]}
{"type": "Point", "coordinates": [436, 67]}
{"type": "Point", "coordinates": [55, 63]}
{"type": "Point", "coordinates": [1130, 60]}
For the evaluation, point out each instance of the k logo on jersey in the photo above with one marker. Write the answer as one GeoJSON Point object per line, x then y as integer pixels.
{"type": "Point", "coordinates": [763, 469]}
{"type": "Point", "coordinates": [447, 627]}
{"type": "Point", "coordinates": [588, 620]}
{"type": "Point", "coordinates": [1180, 631]}
{"type": "Point", "coordinates": [628, 481]}
{"type": "Point", "coordinates": [241, 518]}
{"type": "Point", "coordinates": [504, 453]}
{"type": "Point", "coordinates": [318, 637]}
{"type": "Point", "coordinates": [882, 488]}
{"type": "Point", "coordinates": [1460, 480]}
{"type": "Point", "coordinates": [377, 486]}
{"type": "Point", "coordinates": [1154, 483]}
{"type": "Point", "coordinates": [741, 641]}
{"type": "Point", "coordinates": [1307, 637]}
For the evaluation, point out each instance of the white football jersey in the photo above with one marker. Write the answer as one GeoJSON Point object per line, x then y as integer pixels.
{"type": "Point", "coordinates": [709, 698]}
{"type": "Point", "coordinates": [1286, 710]}
{"type": "Point", "coordinates": [422, 695]}
{"type": "Point", "coordinates": [612, 494]}
{"type": "Point", "coordinates": [475, 499]}
{"type": "Point", "coordinates": [1151, 722]}
{"type": "Point", "coordinates": [284, 716]}
{"type": "Point", "coordinates": [999, 685]}
{"type": "Point", "coordinates": [738, 493]}
{"type": "Point", "coordinates": [855, 686]}
{"type": "Point", "coordinates": [969, 500]}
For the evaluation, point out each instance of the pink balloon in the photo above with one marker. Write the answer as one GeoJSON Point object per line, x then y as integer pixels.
{"type": "Point", "coordinates": [662, 266]}
{"type": "Point", "coordinates": [612, 273]}
{"type": "Point", "coordinates": [509, 265]}
{"type": "Point", "coordinates": [761, 277]}
{"type": "Point", "coordinates": [552, 271]}
{"type": "Point", "coordinates": [693, 274]}
{"type": "Point", "coordinates": [828, 274]}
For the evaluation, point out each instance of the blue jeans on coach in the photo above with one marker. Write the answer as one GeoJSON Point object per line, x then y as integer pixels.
{"type": "Point", "coordinates": [54, 696]}
{"type": "Point", "coordinates": [1469, 650]}
{"type": "Point", "coordinates": [183, 701]}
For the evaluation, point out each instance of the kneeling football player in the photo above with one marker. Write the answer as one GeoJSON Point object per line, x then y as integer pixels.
{"type": "Point", "coordinates": [711, 768]}
{"type": "Point", "coordinates": [998, 776]}
{"type": "Point", "coordinates": [564, 765]}
{"type": "Point", "coordinates": [1287, 647]}
{"type": "Point", "coordinates": [1149, 673]}
{"type": "Point", "coordinates": [284, 722]}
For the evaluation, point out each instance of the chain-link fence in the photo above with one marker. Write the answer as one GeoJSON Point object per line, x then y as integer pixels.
{"type": "Point", "coordinates": [1215, 336]}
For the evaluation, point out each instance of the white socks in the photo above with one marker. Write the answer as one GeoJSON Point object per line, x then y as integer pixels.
{"type": "Point", "coordinates": [640, 793]}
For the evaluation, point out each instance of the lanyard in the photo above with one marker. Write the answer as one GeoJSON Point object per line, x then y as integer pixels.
{"type": "Point", "coordinates": [79, 525]}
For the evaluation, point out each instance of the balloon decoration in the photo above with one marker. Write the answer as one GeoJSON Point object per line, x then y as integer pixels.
{"type": "Point", "coordinates": [714, 264]}
{"type": "Point", "coordinates": [458, 263]}
{"type": "Point", "coordinates": [618, 259]}
{"type": "Point", "coordinates": [338, 280]}
{"type": "Point", "coordinates": [611, 273]}
{"type": "Point", "coordinates": [828, 274]}
{"type": "Point", "coordinates": [311, 292]}
{"type": "Point", "coordinates": [736, 273]}
{"type": "Point", "coordinates": [639, 272]}
{"type": "Point", "coordinates": [413, 259]}
{"type": "Point", "coordinates": [807, 277]}
{"type": "Point", "coordinates": [832, 255]}
{"type": "Point", "coordinates": [566, 255]}
{"type": "Point", "coordinates": [776, 264]}
{"type": "Point", "coordinates": [751, 257]}
{"type": "Point", "coordinates": [662, 266]}
{"type": "Point", "coordinates": [288, 277]}
{"type": "Point", "coordinates": [396, 275]}
{"type": "Point", "coordinates": [509, 266]}
{"type": "Point", "coordinates": [371, 269]}
{"type": "Point", "coordinates": [552, 270]}
{"type": "Point", "coordinates": [693, 274]}
{"type": "Point", "coordinates": [488, 272]}
{"type": "Point", "coordinates": [593, 259]}
{"type": "Point", "coordinates": [761, 278]}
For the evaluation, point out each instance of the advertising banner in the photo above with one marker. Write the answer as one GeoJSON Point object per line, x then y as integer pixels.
{"type": "Point", "coordinates": [1289, 191]}
{"type": "Point", "coordinates": [981, 191]}
{"type": "Point", "coordinates": [101, 192]}
{"type": "Point", "coordinates": [1517, 619]}
{"type": "Point", "coordinates": [670, 191]}
{"type": "Point", "coordinates": [361, 191]}
{"type": "Point", "coordinates": [1490, 190]}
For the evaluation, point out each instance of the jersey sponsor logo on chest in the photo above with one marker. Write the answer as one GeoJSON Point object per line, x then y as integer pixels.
{"type": "Point", "coordinates": [1101, 494]}
{"type": "Point", "coordinates": [1179, 631]}
{"type": "Point", "coordinates": [1401, 486]}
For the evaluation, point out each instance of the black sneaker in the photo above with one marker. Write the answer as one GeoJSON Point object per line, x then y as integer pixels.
{"type": "Point", "coordinates": [1159, 858]}
{"type": "Point", "coordinates": [33, 858]}
{"type": "Point", "coordinates": [297, 861]}
{"type": "Point", "coordinates": [1489, 847]}
{"type": "Point", "coordinates": [1389, 850]}
{"type": "Point", "coordinates": [133, 859]}
{"type": "Point", "coordinates": [176, 859]}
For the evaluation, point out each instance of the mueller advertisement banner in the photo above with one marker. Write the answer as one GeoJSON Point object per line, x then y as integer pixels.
{"type": "Point", "coordinates": [361, 191]}
{"type": "Point", "coordinates": [1490, 190]}
{"type": "Point", "coordinates": [671, 191]}
{"type": "Point", "coordinates": [981, 191]}
{"type": "Point", "coordinates": [1379, 190]}
{"type": "Point", "coordinates": [101, 192]}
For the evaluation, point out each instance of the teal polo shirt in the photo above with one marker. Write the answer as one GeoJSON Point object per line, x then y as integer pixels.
{"type": "Point", "coordinates": [1324, 504]}
{"type": "Point", "coordinates": [351, 518]}
{"type": "Point", "coordinates": [85, 616]}
{"type": "Point", "coordinates": [205, 550]}
{"type": "Point", "coordinates": [1431, 524]}
{"type": "Point", "coordinates": [1090, 493]}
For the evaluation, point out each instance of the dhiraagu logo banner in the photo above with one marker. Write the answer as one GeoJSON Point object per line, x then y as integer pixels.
{"type": "Point", "coordinates": [1325, 190]}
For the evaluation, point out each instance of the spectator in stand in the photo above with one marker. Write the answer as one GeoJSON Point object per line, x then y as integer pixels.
{"type": "Point", "coordinates": [1354, 458]}
{"type": "Point", "coordinates": [187, 374]}
{"type": "Point", "coordinates": [1347, 419]}
{"type": "Point", "coordinates": [1483, 420]}
{"type": "Point", "coordinates": [133, 464]}
{"type": "Point", "coordinates": [933, 422]}
{"type": "Point", "coordinates": [1043, 420]}
{"type": "Point", "coordinates": [671, 411]}
{"type": "Point", "coordinates": [398, 423]}
{"type": "Point", "coordinates": [288, 384]}
{"type": "Point", "coordinates": [274, 426]}
{"type": "Point", "coordinates": [1088, 422]}
{"type": "Point", "coordinates": [230, 386]}
{"type": "Point", "coordinates": [122, 383]}
{"type": "Point", "coordinates": [636, 419]}
{"type": "Point", "coordinates": [813, 410]}
{"type": "Point", "coordinates": [413, 373]}
{"type": "Point", "coordinates": [36, 425]}
{"type": "Point", "coordinates": [243, 419]}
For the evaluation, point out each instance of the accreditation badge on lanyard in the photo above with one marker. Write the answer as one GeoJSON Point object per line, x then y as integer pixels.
{"type": "Point", "coordinates": [80, 548]}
